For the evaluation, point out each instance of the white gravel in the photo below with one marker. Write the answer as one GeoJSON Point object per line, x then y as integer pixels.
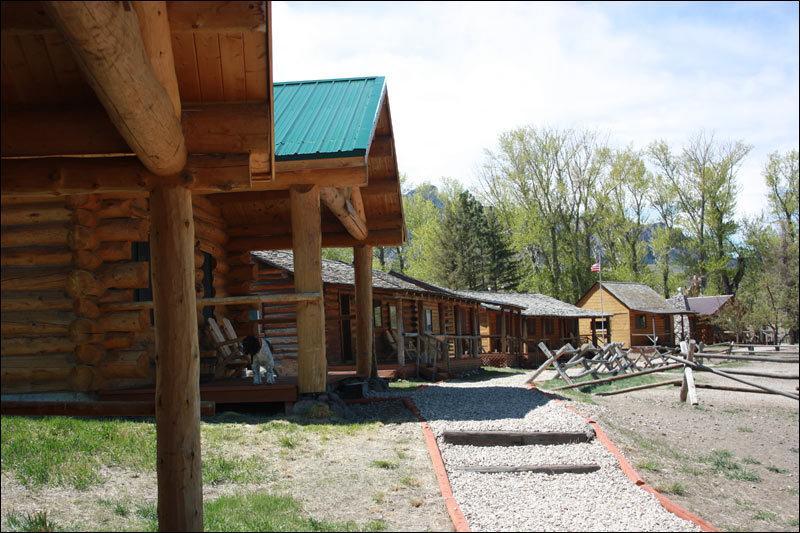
{"type": "Point", "coordinates": [605, 500]}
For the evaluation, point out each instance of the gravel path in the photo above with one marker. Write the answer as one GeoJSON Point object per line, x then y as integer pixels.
{"type": "Point", "coordinates": [605, 500]}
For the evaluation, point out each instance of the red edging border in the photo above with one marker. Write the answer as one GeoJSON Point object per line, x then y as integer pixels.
{"type": "Point", "coordinates": [634, 476]}
{"type": "Point", "coordinates": [453, 510]}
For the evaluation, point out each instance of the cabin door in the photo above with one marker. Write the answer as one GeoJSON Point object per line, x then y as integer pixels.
{"type": "Point", "coordinates": [345, 331]}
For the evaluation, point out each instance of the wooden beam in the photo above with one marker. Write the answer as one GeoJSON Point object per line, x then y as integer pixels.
{"type": "Point", "coordinates": [107, 44]}
{"type": "Point", "coordinates": [337, 201]}
{"type": "Point", "coordinates": [307, 247]}
{"type": "Point", "coordinates": [157, 39]}
{"type": "Point", "coordinates": [516, 438]}
{"type": "Point", "coordinates": [29, 17]}
{"type": "Point", "coordinates": [87, 130]}
{"type": "Point", "coordinates": [180, 488]}
{"type": "Point", "coordinates": [362, 264]}
{"type": "Point", "coordinates": [534, 469]}
{"type": "Point", "coordinates": [116, 175]}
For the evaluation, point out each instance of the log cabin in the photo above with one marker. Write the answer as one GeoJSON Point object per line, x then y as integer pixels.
{"type": "Point", "coordinates": [540, 318]}
{"type": "Point", "coordinates": [639, 316]}
{"type": "Point", "coordinates": [402, 308]}
{"type": "Point", "coordinates": [139, 168]}
{"type": "Point", "coordinates": [700, 325]}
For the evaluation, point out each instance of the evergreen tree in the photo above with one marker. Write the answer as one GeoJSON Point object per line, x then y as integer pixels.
{"type": "Point", "coordinates": [459, 252]}
{"type": "Point", "coordinates": [501, 272]}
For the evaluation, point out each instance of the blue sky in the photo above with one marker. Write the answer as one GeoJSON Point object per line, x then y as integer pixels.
{"type": "Point", "coordinates": [460, 73]}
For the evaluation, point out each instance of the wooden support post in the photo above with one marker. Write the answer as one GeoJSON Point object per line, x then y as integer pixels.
{"type": "Point", "coordinates": [362, 262]}
{"type": "Point", "coordinates": [476, 329]}
{"type": "Point", "coordinates": [503, 332]}
{"type": "Point", "coordinates": [312, 367]}
{"type": "Point", "coordinates": [524, 349]}
{"type": "Point", "coordinates": [180, 487]}
{"type": "Point", "coordinates": [687, 386]}
{"type": "Point", "coordinates": [401, 343]}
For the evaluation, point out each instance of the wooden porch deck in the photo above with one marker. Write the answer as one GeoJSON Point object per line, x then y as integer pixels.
{"type": "Point", "coordinates": [241, 390]}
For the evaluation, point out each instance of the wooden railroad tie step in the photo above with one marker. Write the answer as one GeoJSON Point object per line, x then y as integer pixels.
{"type": "Point", "coordinates": [537, 469]}
{"type": "Point", "coordinates": [516, 438]}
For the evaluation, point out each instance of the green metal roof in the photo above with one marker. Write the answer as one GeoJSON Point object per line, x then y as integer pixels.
{"type": "Point", "coordinates": [326, 118]}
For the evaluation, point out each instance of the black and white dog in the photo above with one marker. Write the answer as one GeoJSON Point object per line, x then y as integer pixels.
{"type": "Point", "coordinates": [261, 352]}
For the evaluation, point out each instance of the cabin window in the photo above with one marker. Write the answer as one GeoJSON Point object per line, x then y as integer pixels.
{"type": "Point", "coordinates": [428, 320]}
{"type": "Point", "coordinates": [641, 321]}
{"type": "Point", "coordinates": [376, 314]}
{"type": "Point", "coordinates": [531, 327]}
{"type": "Point", "coordinates": [667, 323]}
{"type": "Point", "coordinates": [140, 251]}
{"type": "Point", "coordinates": [548, 326]}
{"type": "Point", "coordinates": [393, 317]}
{"type": "Point", "coordinates": [601, 324]}
{"type": "Point", "coordinates": [208, 283]}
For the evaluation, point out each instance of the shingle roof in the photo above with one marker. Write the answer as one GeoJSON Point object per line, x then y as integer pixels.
{"type": "Point", "coordinates": [640, 297]}
{"type": "Point", "coordinates": [534, 304]}
{"type": "Point", "coordinates": [318, 119]}
{"type": "Point", "coordinates": [341, 273]}
{"type": "Point", "coordinates": [492, 302]}
{"type": "Point", "coordinates": [707, 305]}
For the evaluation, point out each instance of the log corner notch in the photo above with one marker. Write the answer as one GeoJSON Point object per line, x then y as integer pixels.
{"type": "Point", "coordinates": [107, 43]}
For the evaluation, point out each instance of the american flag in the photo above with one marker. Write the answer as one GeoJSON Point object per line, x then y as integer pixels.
{"type": "Point", "coordinates": [596, 267]}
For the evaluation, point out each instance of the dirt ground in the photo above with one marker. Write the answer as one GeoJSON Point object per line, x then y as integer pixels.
{"type": "Point", "coordinates": [733, 459]}
{"type": "Point", "coordinates": [335, 477]}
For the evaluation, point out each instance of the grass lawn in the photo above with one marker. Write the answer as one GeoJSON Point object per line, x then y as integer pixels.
{"type": "Point", "coordinates": [239, 512]}
{"type": "Point", "coordinates": [70, 452]}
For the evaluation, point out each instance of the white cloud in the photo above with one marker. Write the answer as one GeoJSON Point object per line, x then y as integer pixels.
{"type": "Point", "coordinates": [459, 74]}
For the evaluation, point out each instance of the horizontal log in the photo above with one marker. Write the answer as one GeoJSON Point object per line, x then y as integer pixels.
{"type": "Point", "coordinates": [34, 301]}
{"type": "Point", "coordinates": [114, 251]}
{"type": "Point", "coordinates": [760, 374]}
{"type": "Point", "coordinates": [640, 387]}
{"type": "Point", "coordinates": [534, 469]}
{"type": "Point", "coordinates": [123, 229]}
{"type": "Point", "coordinates": [699, 366]}
{"type": "Point", "coordinates": [36, 323]}
{"type": "Point", "coordinates": [101, 408]}
{"type": "Point", "coordinates": [36, 235]}
{"type": "Point", "coordinates": [203, 230]}
{"type": "Point", "coordinates": [86, 260]}
{"type": "Point", "coordinates": [37, 368]}
{"type": "Point", "coordinates": [66, 176]}
{"type": "Point", "coordinates": [125, 321]}
{"type": "Point", "coordinates": [619, 377]}
{"type": "Point", "coordinates": [36, 345]}
{"type": "Point", "coordinates": [764, 358]}
{"type": "Point", "coordinates": [33, 279]}
{"type": "Point", "coordinates": [125, 364]}
{"type": "Point", "coordinates": [85, 331]}
{"type": "Point", "coordinates": [731, 389]}
{"type": "Point", "coordinates": [117, 341]}
{"type": "Point", "coordinates": [515, 438]}
{"type": "Point", "coordinates": [38, 213]}
{"type": "Point", "coordinates": [132, 275]}
{"type": "Point", "coordinates": [36, 256]}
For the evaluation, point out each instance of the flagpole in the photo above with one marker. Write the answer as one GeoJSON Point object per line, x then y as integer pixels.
{"type": "Point", "coordinates": [602, 312]}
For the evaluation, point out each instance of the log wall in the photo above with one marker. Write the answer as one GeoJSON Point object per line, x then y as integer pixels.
{"type": "Point", "coordinates": [63, 260]}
